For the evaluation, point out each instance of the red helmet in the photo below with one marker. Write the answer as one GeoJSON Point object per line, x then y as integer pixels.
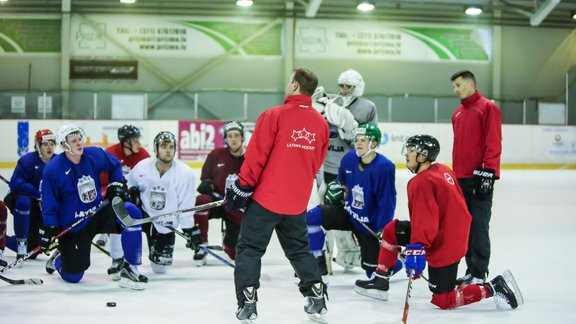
{"type": "Point", "coordinates": [44, 135]}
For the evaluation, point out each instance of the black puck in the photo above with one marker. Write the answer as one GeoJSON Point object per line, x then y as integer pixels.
{"type": "Point", "coordinates": [111, 304]}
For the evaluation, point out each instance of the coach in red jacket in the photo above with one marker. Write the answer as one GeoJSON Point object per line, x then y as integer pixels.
{"type": "Point", "coordinates": [285, 152]}
{"type": "Point", "coordinates": [477, 125]}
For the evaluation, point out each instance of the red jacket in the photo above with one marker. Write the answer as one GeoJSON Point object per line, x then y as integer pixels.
{"type": "Point", "coordinates": [285, 152]}
{"type": "Point", "coordinates": [439, 218]}
{"type": "Point", "coordinates": [477, 126]}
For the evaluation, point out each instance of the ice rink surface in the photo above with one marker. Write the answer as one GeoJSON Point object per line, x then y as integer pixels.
{"type": "Point", "coordinates": [533, 230]}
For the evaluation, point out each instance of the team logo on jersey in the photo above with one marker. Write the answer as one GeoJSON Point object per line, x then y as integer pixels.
{"type": "Point", "coordinates": [357, 197]}
{"type": "Point", "coordinates": [87, 189]}
{"type": "Point", "coordinates": [449, 178]}
{"type": "Point", "coordinates": [303, 134]}
{"type": "Point", "coordinates": [158, 198]}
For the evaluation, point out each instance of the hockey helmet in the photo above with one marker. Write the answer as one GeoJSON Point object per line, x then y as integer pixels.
{"type": "Point", "coordinates": [335, 193]}
{"type": "Point", "coordinates": [426, 145]}
{"type": "Point", "coordinates": [353, 78]}
{"type": "Point", "coordinates": [43, 135]}
{"type": "Point", "coordinates": [128, 132]}
{"type": "Point", "coordinates": [233, 125]}
{"type": "Point", "coordinates": [64, 131]}
{"type": "Point", "coordinates": [370, 130]}
{"type": "Point", "coordinates": [164, 136]}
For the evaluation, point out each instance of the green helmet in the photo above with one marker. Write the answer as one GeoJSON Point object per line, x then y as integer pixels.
{"type": "Point", "coordinates": [370, 130]}
{"type": "Point", "coordinates": [335, 192]}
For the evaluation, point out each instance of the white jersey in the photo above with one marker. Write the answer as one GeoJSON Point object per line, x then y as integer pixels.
{"type": "Point", "coordinates": [175, 190]}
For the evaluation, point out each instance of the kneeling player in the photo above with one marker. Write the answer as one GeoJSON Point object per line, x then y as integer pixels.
{"type": "Point", "coordinates": [439, 227]}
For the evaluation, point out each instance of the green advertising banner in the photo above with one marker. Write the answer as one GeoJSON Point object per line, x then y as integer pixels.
{"type": "Point", "coordinates": [29, 35]}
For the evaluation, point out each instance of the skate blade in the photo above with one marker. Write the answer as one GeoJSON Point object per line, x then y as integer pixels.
{"type": "Point", "coordinates": [318, 318]}
{"type": "Point", "coordinates": [200, 263]}
{"type": "Point", "coordinates": [114, 276]}
{"type": "Point", "coordinates": [126, 283]}
{"type": "Point", "coordinates": [372, 293]}
{"type": "Point", "coordinates": [248, 321]}
{"type": "Point", "coordinates": [509, 278]}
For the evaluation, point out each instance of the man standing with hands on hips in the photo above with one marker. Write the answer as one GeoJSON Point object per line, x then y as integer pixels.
{"type": "Point", "coordinates": [292, 136]}
{"type": "Point", "coordinates": [477, 126]}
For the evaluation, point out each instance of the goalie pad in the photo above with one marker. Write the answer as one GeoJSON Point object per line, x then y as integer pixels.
{"type": "Point", "coordinates": [348, 250]}
{"type": "Point", "coordinates": [341, 118]}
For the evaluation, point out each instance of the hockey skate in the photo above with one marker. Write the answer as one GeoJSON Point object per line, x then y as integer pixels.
{"type": "Point", "coordinates": [131, 278]}
{"type": "Point", "coordinates": [248, 313]}
{"type": "Point", "coordinates": [316, 303]}
{"type": "Point", "coordinates": [469, 280]}
{"type": "Point", "coordinates": [504, 288]}
{"type": "Point", "coordinates": [200, 257]}
{"type": "Point", "coordinates": [375, 287]}
{"type": "Point", "coordinates": [114, 270]}
{"type": "Point", "coordinates": [3, 262]}
{"type": "Point", "coordinates": [50, 263]}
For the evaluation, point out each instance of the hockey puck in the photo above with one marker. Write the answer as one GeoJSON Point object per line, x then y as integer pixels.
{"type": "Point", "coordinates": [111, 304]}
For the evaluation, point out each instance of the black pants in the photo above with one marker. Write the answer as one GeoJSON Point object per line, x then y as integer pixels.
{"type": "Point", "coordinates": [478, 254]}
{"type": "Point", "coordinates": [255, 234]}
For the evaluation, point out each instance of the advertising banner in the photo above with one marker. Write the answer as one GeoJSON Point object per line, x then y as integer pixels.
{"type": "Point", "coordinates": [197, 138]}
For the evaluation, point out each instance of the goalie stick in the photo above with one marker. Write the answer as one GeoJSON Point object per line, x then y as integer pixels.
{"type": "Point", "coordinates": [59, 235]}
{"type": "Point", "coordinates": [124, 217]}
{"type": "Point", "coordinates": [205, 249]}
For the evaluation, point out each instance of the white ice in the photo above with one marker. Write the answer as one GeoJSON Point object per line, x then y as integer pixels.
{"type": "Point", "coordinates": [532, 229]}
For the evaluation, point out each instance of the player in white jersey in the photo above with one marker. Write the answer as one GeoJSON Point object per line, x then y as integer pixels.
{"type": "Point", "coordinates": [165, 185]}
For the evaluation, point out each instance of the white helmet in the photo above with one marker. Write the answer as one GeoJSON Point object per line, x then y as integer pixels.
{"type": "Point", "coordinates": [63, 132]}
{"type": "Point", "coordinates": [353, 78]}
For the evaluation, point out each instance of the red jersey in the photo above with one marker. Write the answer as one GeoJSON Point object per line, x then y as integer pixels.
{"type": "Point", "coordinates": [439, 218]}
{"type": "Point", "coordinates": [285, 152]}
{"type": "Point", "coordinates": [219, 165]}
{"type": "Point", "coordinates": [477, 126]}
{"type": "Point", "coordinates": [128, 162]}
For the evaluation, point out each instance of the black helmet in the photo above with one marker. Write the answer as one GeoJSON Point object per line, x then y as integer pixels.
{"type": "Point", "coordinates": [127, 132]}
{"type": "Point", "coordinates": [426, 145]}
{"type": "Point", "coordinates": [233, 125]}
{"type": "Point", "coordinates": [164, 136]}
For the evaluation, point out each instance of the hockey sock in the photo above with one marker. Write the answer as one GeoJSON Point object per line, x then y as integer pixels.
{"type": "Point", "coordinates": [462, 295]}
{"type": "Point", "coordinates": [201, 219]}
{"type": "Point", "coordinates": [22, 217]}
{"type": "Point", "coordinates": [116, 251]}
{"type": "Point", "coordinates": [315, 233]}
{"type": "Point", "coordinates": [3, 218]}
{"type": "Point", "coordinates": [389, 249]}
{"type": "Point", "coordinates": [397, 267]}
{"type": "Point", "coordinates": [132, 237]}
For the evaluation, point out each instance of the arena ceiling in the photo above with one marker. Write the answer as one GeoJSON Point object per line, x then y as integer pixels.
{"type": "Point", "coordinates": [537, 13]}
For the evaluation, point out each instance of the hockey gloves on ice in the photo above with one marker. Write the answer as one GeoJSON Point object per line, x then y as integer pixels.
{"type": "Point", "coordinates": [484, 182]}
{"type": "Point", "coordinates": [415, 259]}
{"type": "Point", "coordinates": [116, 189]}
{"type": "Point", "coordinates": [206, 187]}
{"type": "Point", "coordinates": [46, 234]}
{"type": "Point", "coordinates": [194, 238]}
{"type": "Point", "coordinates": [237, 196]}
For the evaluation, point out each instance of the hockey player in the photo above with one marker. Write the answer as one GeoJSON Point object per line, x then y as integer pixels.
{"type": "Point", "coordinates": [477, 125]}
{"type": "Point", "coordinates": [24, 199]}
{"type": "Point", "coordinates": [129, 151]}
{"type": "Point", "coordinates": [293, 137]}
{"type": "Point", "coordinates": [165, 185]}
{"type": "Point", "coordinates": [344, 112]}
{"type": "Point", "coordinates": [437, 234]}
{"type": "Point", "coordinates": [71, 191]}
{"type": "Point", "coordinates": [218, 172]}
{"type": "Point", "coordinates": [368, 178]}
{"type": "Point", "coordinates": [3, 218]}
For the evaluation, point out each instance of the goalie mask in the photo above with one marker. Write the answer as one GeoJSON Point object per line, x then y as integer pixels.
{"type": "Point", "coordinates": [354, 79]}
{"type": "Point", "coordinates": [335, 193]}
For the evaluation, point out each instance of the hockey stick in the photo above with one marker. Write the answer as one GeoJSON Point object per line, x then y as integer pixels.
{"type": "Point", "coordinates": [407, 301]}
{"type": "Point", "coordinates": [31, 281]}
{"type": "Point", "coordinates": [124, 217]}
{"type": "Point", "coordinates": [203, 248]}
{"type": "Point", "coordinates": [59, 235]}
{"type": "Point", "coordinates": [4, 179]}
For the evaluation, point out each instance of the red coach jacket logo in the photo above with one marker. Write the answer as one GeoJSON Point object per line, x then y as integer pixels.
{"type": "Point", "coordinates": [303, 134]}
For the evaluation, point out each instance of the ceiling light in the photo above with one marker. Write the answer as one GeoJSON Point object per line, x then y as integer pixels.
{"type": "Point", "coordinates": [128, 1]}
{"type": "Point", "coordinates": [473, 11]}
{"type": "Point", "coordinates": [573, 14]}
{"type": "Point", "coordinates": [244, 3]}
{"type": "Point", "coordinates": [3, 0]}
{"type": "Point", "coordinates": [365, 5]}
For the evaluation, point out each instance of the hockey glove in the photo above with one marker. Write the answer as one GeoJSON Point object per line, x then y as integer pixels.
{"type": "Point", "coordinates": [206, 187]}
{"type": "Point", "coordinates": [134, 196]}
{"type": "Point", "coordinates": [47, 234]}
{"type": "Point", "coordinates": [415, 259]}
{"type": "Point", "coordinates": [237, 196]}
{"type": "Point", "coordinates": [193, 238]}
{"type": "Point", "coordinates": [484, 182]}
{"type": "Point", "coordinates": [116, 189]}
